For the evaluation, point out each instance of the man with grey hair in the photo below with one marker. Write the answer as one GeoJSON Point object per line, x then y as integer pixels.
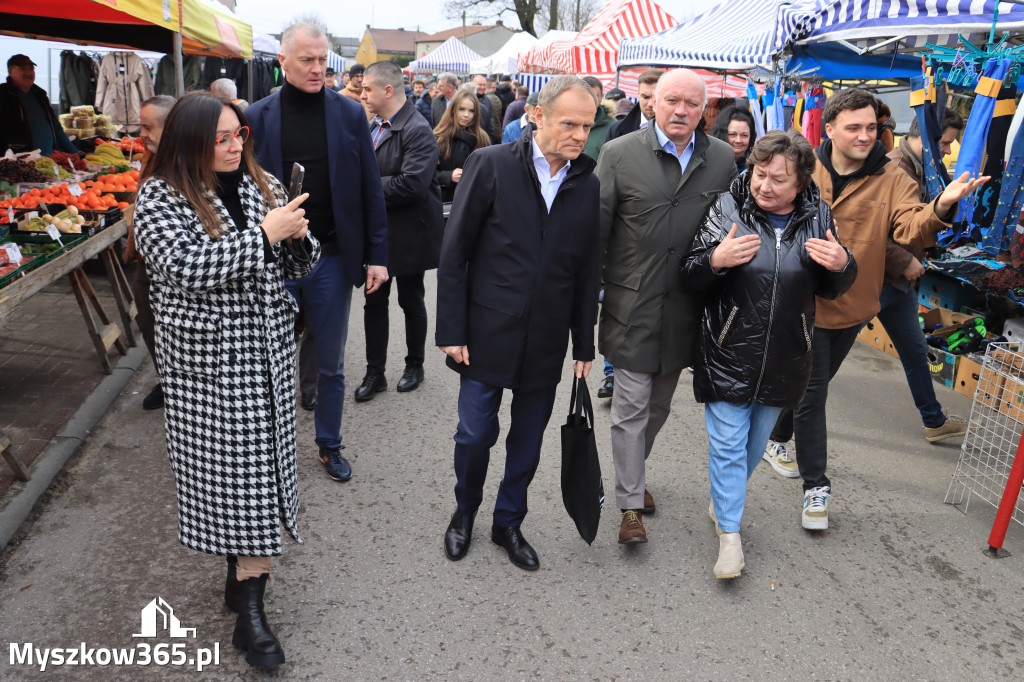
{"type": "Point", "coordinates": [309, 124]}
{"type": "Point", "coordinates": [518, 275]}
{"type": "Point", "coordinates": [447, 84]}
{"type": "Point", "coordinates": [407, 156]}
{"type": "Point", "coordinates": [226, 88]}
{"type": "Point", "coordinates": [656, 185]}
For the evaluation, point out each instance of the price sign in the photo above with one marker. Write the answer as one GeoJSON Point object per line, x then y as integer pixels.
{"type": "Point", "coordinates": [54, 233]}
{"type": "Point", "coordinates": [13, 252]}
{"type": "Point", "coordinates": [10, 215]}
{"type": "Point", "coordinates": [75, 190]}
{"type": "Point", "coordinates": [42, 205]}
{"type": "Point", "coordinates": [136, 165]}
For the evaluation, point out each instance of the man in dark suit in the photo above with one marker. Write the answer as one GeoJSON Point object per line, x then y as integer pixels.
{"type": "Point", "coordinates": [447, 84]}
{"type": "Point", "coordinates": [407, 157]}
{"type": "Point", "coordinates": [310, 124]}
{"type": "Point", "coordinates": [519, 269]}
{"type": "Point", "coordinates": [642, 113]}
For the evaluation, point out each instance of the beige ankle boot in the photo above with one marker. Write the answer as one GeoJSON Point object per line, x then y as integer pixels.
{"type": "Point", "coordinates": [730, 556]}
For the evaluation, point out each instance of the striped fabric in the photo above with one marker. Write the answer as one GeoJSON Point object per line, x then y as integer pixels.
{"type": "Point", "coordinates": [718, 84]}
{"type": "Point", "coordinates": [452, 55]}
{"type": "Point", "coordinates": [595, 49]}
{"type": "Point", "coordinates": [539, 56]}
{"type": "Point", "coordinates": [336, 62]}
{"type": "Point", "coordinates": [869, 22]}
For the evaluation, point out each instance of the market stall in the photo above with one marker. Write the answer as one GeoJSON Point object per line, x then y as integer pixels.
{"type": "Point", "coordinates": [451, 55]}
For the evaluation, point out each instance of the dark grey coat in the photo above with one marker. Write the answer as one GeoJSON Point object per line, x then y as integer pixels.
{"type": "Point", "coordinates": [650, 212]}
{"type": "Point", "coordinates": [407, 157]}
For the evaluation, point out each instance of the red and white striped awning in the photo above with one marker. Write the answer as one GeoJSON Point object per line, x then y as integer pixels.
{"type": "Point", "coordinates": [595, 49]}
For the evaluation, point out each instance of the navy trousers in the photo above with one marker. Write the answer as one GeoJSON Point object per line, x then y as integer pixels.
{"type": "Point", "coordinates": [478, 432]}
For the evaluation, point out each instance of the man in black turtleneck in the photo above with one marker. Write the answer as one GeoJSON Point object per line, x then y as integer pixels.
{"type": "Point", "coordinates": [312, 125]}
{"type": "Point", "coordinates": [871, 199]}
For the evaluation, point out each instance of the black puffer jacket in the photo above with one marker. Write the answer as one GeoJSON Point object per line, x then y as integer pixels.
{"type": "Point", "coordinates": [758, 322]}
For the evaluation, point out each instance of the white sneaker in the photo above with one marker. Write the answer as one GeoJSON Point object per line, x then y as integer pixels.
{"type": "Point", "coordinates": [815, 512]}
{"type": "Point", "coordinates": [730, 557]}
{"type": "Point", "coordinates": [776, 454]}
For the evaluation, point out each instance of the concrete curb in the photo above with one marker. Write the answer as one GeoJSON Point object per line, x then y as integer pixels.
{"type": "Point", "coordinates": [72, 435]}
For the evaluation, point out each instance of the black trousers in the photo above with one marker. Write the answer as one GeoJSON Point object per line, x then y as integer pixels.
{"type": "Point", "coordinates": [830, 348]}
{"type": "Point", "coordinates": [375, 321]}
{"type": "Point", "coordinates": [144, 311]}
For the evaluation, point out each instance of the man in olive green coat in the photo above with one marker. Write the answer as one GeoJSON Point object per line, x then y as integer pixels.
{"type": "Point", "coordinates": [656, 185]}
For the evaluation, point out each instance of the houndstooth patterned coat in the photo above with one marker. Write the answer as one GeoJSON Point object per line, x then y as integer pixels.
{"type": "Point", "coordinates": [226, 350]}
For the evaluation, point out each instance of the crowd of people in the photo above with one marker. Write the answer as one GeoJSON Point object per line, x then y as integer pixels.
{"type": "Point", "coordinates": [752, 262]}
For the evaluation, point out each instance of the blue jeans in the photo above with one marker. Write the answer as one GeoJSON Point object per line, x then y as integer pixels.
{"type": "Point", "coordinates": [899, 317]}
{"type": "Point", "coordinates": [478, 432]}
{"type": "Point", "coordinates": [609, 371]}
{"type": "Point", "coordinates": [737, 436]}
{"type": "Point", "coordinates": [327, 294]}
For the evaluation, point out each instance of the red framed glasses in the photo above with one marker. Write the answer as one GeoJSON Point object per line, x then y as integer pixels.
{"type": "Point", "coordinates": [224, 141]}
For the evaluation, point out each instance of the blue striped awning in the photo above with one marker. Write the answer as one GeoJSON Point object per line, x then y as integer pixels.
{"type": "Point", "coordinates": [452, 55]}
{"type": "Point", "coordinates": [867, 23]}
{"type": "Point", "coordinates": [336, 62]}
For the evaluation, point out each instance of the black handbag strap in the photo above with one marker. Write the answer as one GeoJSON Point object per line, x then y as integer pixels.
{"type": "Point", "coordinates": [579, 401]}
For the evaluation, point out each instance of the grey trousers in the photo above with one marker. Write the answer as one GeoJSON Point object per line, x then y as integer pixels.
{"type": "Point", "coordinates": [640, 406]}
{"type": "Point", "coordinates": [309, 372]}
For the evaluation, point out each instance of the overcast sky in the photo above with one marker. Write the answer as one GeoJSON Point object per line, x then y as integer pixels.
{"type": "Point", "coordinates": [350, 18]}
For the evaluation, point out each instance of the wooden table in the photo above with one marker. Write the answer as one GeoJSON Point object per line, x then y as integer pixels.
{"type": "Point", "coordinates": [102, 331]}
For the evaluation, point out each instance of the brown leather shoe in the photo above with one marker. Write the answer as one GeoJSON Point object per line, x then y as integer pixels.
{"type": "Point", "coordinates": [648, 503]}
{"type": "Point", "coordinates": [632, 532]}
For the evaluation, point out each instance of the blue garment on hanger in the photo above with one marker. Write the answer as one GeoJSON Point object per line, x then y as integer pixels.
{"type": "Point", "coordinates": [972, 146]}
{"type": "Point", "coordinates": [929, 127]}
{"type": "Point", "coordinates": [755, 109]}
{"type": "Point", "coordinates": [1011, 200]}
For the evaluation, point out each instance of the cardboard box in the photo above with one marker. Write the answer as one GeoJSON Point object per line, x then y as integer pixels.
{"type": "Point", "coordinates": [968, 375]}
{"type": "Point", "coordinates": [873, 334]}
{"type": "Point", "coordinates": [943, 317]}
{"type": "Point", "coordinates": [1012, 401]}
{"type": "Point", "coordinates": [940, 291]}
{"type": "Point", "coordinates": [943, 366]}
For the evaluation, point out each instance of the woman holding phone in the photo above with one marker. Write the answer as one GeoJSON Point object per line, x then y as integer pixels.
{"type": "Point", "coordinates": [210, 225]}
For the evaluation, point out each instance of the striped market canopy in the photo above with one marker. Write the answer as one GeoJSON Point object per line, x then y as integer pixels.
{"type": "Point", "coordinates": [733, 36]}
{"type": "Point", "coordinates": [452, 55]}
{"type": "Point", "coordinates": [718, 85]}
{"type": "Point", "coordinates": [534, 58]}
{"type": "Point", "coordinates": [336, 61]}
{"type": "Point", "coordinates": [879, 23]}
{"type": "Point", "coordinates": [595, 49]}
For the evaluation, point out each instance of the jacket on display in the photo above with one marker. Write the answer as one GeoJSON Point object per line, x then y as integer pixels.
{"type": "Point", "coordinates": [79, 74]}
{"type": "Point", "coordinates": [225, 340]}
{"type": "Point", "coordinates": [125, 83]}
{"type": "Point", "coordinates": [192, 73]}
{"type": "Point", "coordinates": [758, 323]}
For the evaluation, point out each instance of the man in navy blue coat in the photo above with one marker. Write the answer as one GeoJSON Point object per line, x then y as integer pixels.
{"type": "Point", "coordinates": [309, 124]}
{"type": "Point", "coordinates": [518, 277]}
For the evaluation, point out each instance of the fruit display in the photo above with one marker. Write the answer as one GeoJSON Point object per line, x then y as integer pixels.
{"type": "Point", "coordinates": [83, 122]}
{"type": "Point", "coordinates": [40, 249]}
{"type": "Point", "coordinates": [129, 144]}
{"type": "Point", "coordinates": [68, 221]}
{"type": "Point", "coordinates": [13, 171]}
{"type": "Point", "coordinates": [63, 158]}
{"type": "Point", "coordinates": [97, 195]}
{"type": "Point", "coordinates": [106, 154]}
{"type": "Point", "coordinates": [50, 168]}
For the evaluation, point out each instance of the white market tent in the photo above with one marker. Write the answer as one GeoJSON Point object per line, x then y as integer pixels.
{"type": "Point", "coordinates": [451, 55]}
{"type": "Point", "coordinates": [504, 60]}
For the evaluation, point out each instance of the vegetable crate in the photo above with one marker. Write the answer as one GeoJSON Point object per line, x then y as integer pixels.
{"type": "Point", "coordinates": [991, 465]}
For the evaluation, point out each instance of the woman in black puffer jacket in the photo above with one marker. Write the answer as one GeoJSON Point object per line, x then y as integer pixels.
{"type": "Point", "coordinates": [765, 250]}
{"type": "Point", "coordinates": [458, 135]}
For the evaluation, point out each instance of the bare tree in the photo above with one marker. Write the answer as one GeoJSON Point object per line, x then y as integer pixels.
{"type": "Point", "coordinates": [525, 10]}
{"type": "Point", "coordinates": [573, 15]}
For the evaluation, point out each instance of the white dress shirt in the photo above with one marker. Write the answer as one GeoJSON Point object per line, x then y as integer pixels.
{"type": "Point", "coordinates": [548, 185]}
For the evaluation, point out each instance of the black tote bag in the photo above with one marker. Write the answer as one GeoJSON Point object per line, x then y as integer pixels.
{"type": "Point", "coordinates": [582, 487]}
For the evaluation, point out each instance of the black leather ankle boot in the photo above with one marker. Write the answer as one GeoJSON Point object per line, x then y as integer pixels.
{"type": "Point", "coordinates": [252, 632]}
{"type": "Point", "coordinates": [232, 593]}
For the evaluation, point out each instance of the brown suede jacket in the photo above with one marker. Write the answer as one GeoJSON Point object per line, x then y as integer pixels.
{"type": "Point", "coordinates": [872, 208]}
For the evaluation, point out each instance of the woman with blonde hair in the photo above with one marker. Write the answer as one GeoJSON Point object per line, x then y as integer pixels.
{"type": "Point", "coordinates": [458, 135]}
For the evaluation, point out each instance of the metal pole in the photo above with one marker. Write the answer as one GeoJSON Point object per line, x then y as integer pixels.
{"type": "Point", "coordinates": [179, 70]}
{"type": "Point", "coordinates": [250, 79]}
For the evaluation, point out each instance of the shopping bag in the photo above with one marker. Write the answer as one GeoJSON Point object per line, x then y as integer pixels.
{"type": "Point", "coordinates": [582, 487]}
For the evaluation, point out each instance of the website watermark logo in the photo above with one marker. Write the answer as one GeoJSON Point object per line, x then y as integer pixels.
{"type": "Point", "coordinates": [157, 619]}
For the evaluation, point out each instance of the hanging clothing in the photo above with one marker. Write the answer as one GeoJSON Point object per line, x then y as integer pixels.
{"type": "Point", "coordinates": [988, 194]}
{"type": "Point", "coordinates": [235, 69]}
{"type": "Point", "coordinates": [815, 103]}
{"type": "Point", "coordinates": [1004, 233]}
{"type": "Point", "coordinates": [1018, 118]}
{"type": "Point", "coordinates": [79, 74]}
{"type": "Point", "coordinates": [798, 115]}
{"type": "Point", "coordinates": [755, 110]}
{"type": "Point", "coordinates": [923, 96]}
{"type": "Point", "coordinates": [191, 71]}
{"type": "Point", "coordinates": [124, 84]}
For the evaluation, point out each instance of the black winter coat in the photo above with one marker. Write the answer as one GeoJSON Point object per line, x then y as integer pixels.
{"type": "Point", "coordinates": [515, 281]}
{"type": "Point", "coordinates": [463, 144]}
{"type": "Point", "coordinates": [407, 157]}
{"type": "Point", "coordinates": [758, 323]}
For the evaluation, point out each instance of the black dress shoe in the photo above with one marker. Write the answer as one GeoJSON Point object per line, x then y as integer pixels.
{"type": "Point", "coordinates": [607, 388]}
{"type": "Point", "coordinates": [373, 383]}
{"type": "Point", "coordinates": [155, 399]}
{"type": "Point", "coordinates": [309, 400]}
{"type": "Point", "coordinates": [519, 551]}
{"type": "Point", "coordinates": [458, 535]}
{"type": "Point", "coordinates": [411, 379]}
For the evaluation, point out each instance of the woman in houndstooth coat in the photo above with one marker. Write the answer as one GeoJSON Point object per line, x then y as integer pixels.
{"type": "Point", "coordinates": [211, 226]}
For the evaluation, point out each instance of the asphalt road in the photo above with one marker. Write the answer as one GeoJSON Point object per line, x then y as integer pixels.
{"type": "Point", "coordinates": [897, 588]}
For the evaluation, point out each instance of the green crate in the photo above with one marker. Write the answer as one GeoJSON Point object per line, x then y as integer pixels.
{"type": "Point", "coordinates": [27, 266]}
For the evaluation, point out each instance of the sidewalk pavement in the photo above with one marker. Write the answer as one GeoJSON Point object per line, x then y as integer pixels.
{"type": "Point", "coordinates": [897, 588]}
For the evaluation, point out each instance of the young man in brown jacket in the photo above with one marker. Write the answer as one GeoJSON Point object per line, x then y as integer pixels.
{"type": "Point", "coordinates": [871, 200]}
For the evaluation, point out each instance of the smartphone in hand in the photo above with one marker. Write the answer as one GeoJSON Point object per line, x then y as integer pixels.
{"type": "Point", "coordinates": [298, 175]}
